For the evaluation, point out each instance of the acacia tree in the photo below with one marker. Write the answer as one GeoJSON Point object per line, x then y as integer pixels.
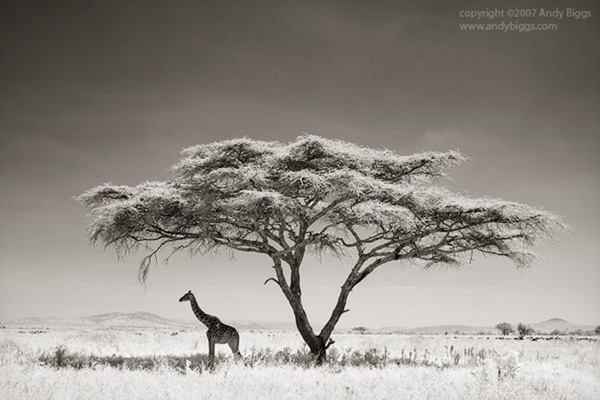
{"type": "Point", "coordinates": [505, 328]}
{"type": "Point", "coordinates": [524, 330]}
{"type": "Point", "coordinates": [312, 195]}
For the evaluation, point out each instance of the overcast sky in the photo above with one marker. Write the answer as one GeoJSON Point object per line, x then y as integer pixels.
{"type": "Point", "coordinates": [99, 91]}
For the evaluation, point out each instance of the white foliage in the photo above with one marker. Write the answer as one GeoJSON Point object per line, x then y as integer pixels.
{"type": "Point", "coordinates": [266, 196]}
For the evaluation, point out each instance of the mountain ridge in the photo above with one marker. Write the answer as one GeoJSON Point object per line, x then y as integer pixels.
{"type": "Point", "coordinates": [144, 319]}
{"type": "Point", "coordinates": [136, 319]}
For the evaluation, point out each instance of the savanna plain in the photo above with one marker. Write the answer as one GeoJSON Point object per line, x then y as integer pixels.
{"type": "Point", "coordinates": [163, 364]}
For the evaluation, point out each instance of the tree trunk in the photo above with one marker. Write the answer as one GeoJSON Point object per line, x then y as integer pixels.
{"type": "Point", "coordinates": [316, 344]}
{"type": "Point", "coordinates": [318, 348]}
{"type": "Point", "coordinates": [321, 351]}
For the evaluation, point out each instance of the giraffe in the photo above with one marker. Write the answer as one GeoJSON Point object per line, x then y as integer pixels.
{"type": "Point", "coordinates": [218, 332]}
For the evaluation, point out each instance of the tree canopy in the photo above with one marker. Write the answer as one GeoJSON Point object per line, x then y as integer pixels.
{"type": "Point", "coordinates": [316, 195]}
{"type": "Point", "coordinates": [505, 328]}
{"type": "Point", "coordinates": [525, 330]}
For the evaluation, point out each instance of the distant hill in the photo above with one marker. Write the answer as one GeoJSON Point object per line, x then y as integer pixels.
{"type": "Point", "coordinates": [133, 320]}
{"type": "Point", "coordinates": [560, 325]}
{"type": "Point", "coordinates": [441, 329]}
{"type": "Point", "coordinates": [113, 320]}
{"type": "Point", "coordinates": [546, 327]}
{"type": "Point", "coordinates": [146, 320]}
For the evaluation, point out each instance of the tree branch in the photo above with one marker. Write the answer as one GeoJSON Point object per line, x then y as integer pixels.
{"type": "Point", "coordinates": [272, 279]}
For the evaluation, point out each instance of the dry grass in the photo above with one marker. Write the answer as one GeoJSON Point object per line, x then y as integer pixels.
{"type": "Point", "coordinates": [157, 365]}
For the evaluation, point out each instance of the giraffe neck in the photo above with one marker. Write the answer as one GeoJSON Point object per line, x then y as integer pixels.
{"type": "Point", "coordinates": [201, 315]}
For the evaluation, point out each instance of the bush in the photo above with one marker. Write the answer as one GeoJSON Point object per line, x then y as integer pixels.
{"type": "Point", "coordinates": [61, 358]}
{"type": "Point", "coordinates": [524, 330]}
{"type": "Point", "coordinates": [505, 328]}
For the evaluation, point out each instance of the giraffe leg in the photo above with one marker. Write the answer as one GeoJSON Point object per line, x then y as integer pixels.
{"type": "Point", "coordinates": [211, 354]}
{"type": "Point", "coordinates": [234, 345]}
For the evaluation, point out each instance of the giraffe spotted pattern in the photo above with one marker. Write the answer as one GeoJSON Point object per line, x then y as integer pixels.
{"type": "Point", "coordinates": [218, 332]}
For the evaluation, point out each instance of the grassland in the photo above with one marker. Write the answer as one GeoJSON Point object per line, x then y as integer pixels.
{"type": "Point", "coordinates": [120, 364]}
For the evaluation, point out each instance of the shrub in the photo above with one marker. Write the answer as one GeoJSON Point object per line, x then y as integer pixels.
{"type": "Point", "coordinates": [505, 328]}
{"type": "Point", "coordinates": [524, 330]}
{"type": "Point", "coordinates": [61, 358]}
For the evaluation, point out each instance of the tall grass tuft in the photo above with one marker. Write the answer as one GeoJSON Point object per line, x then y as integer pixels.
{"type": "Point", "coordinates": [60, 357]}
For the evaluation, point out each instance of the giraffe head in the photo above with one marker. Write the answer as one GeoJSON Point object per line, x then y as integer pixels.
{"type": "Point", "coordinates": [186, 297]}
